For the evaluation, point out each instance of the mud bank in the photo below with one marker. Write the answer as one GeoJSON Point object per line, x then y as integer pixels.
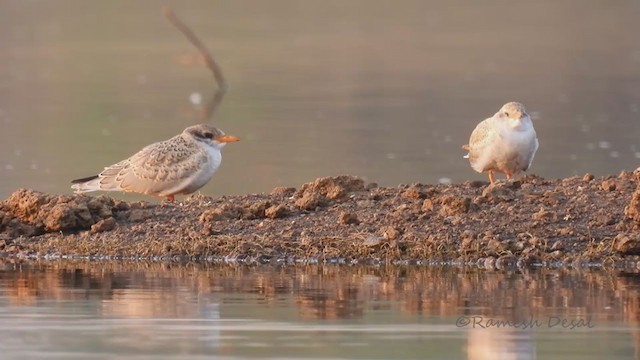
{"type": "Point", "coordinates": [528, 221]}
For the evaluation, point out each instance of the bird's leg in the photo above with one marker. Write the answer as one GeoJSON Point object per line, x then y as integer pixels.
{"type": "Point", "coordinates": [171, 197]}
{"type": "Point", "coordinates": [492, 179]}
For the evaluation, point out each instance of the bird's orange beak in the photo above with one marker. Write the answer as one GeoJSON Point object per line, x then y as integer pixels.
{"type": "Point", "coordinates": [227, 138]}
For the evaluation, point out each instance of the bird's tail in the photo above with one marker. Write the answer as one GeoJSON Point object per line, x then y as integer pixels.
{"type": "Point", "coordinates": [466, 147]}
{"type": "Point", "coordinates": [91, 183]}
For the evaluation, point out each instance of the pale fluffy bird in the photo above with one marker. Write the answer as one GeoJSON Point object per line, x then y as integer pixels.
{"type": "Point", "coordinates": [180, 165]}
{"type": "Point", "coordinates": [505, 142]}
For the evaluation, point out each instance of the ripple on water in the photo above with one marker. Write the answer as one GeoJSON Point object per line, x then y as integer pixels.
{"type": "Point", "coordinates": [195, 98]}
{"type": "Point", "coordinates": [604, 144]}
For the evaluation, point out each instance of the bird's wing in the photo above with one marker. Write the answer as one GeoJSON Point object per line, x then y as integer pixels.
{"type": "Point", "coordinates": [533, 152]}
{"type": "Point", "coordinates": [159, 167]}
{"type": "Point", "coordinates": [480, 138]}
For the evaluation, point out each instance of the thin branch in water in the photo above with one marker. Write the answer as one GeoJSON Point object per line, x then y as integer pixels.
{"type": "Point", "coordinates": [211, 64]}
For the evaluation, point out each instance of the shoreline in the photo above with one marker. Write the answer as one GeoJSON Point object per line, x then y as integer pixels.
{"type": "Point", "coordinates": [529, 221]}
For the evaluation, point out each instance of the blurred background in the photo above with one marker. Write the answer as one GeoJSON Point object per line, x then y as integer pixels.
{"type": "Point", "coordinates": [384, 90]}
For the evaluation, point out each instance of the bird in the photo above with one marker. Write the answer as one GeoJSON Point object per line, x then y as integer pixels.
{"type": "Point", "coordinates": [505, 142]}
{"type": "Point", "coordinates": [177, 166]}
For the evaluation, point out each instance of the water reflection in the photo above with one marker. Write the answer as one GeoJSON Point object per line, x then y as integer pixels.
{"type": "Point", "coordinates": [500, 343]}
{"type": "Point", "coordinates": [236, 311]}
{"type": "Point", "coordinates": [170, 290]}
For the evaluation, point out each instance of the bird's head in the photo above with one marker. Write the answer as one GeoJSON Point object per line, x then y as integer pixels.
{"type": "Point", "coordinates": [513, 111]}
{"type": "Point", "coordinates": [209, 135]}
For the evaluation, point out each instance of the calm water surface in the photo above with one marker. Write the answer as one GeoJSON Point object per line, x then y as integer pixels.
{"type": "Point", "coordinates": [79, 310]}
{"type": "Point", "coordinates": [385, 90]}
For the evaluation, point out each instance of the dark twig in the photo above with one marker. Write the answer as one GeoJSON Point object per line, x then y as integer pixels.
{"type": "Point", "coordinates": [212, 106]}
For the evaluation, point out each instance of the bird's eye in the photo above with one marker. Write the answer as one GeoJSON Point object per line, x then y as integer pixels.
{"type": "Point", "coordinates": [506, 113]}
{"type": "Point", "coordinates": [208, 135]}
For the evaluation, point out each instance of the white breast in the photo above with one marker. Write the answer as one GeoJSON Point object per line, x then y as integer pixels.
{"type": "Point", "coordinates": [200, 178]}
{"type": "Point", "coordinates": [512, 147]}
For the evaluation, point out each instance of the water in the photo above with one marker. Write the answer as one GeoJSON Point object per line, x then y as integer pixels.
{"type": "Point", "coordinates": [387, 91]}
{"type": "Point", "coordinates": [81, 310]}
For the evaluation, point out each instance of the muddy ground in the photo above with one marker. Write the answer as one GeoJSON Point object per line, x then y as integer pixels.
{"type": "Point", "coordinates": [528, 221]}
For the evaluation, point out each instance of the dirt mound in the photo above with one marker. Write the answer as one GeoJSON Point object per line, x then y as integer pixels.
{"type": "Point", "coordinates": [529, 220]}
{"type": "Point", "coordinates": [332, 187]}
{"type": "Point", "coordinates": [31, 213]}
{"type": "Point", "coordinates": [632, 211]}
{"type": "Point", "coordinates": [323, 190]}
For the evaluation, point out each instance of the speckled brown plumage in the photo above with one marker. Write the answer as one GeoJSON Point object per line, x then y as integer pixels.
{"type": "Point", "coordinates": [179, 165]}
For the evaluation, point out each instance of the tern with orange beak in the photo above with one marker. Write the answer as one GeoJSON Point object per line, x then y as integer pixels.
{"type": "Point", "coordinates": [178, 166]}
{"type": "Point", "coordinates": [505, 142]}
